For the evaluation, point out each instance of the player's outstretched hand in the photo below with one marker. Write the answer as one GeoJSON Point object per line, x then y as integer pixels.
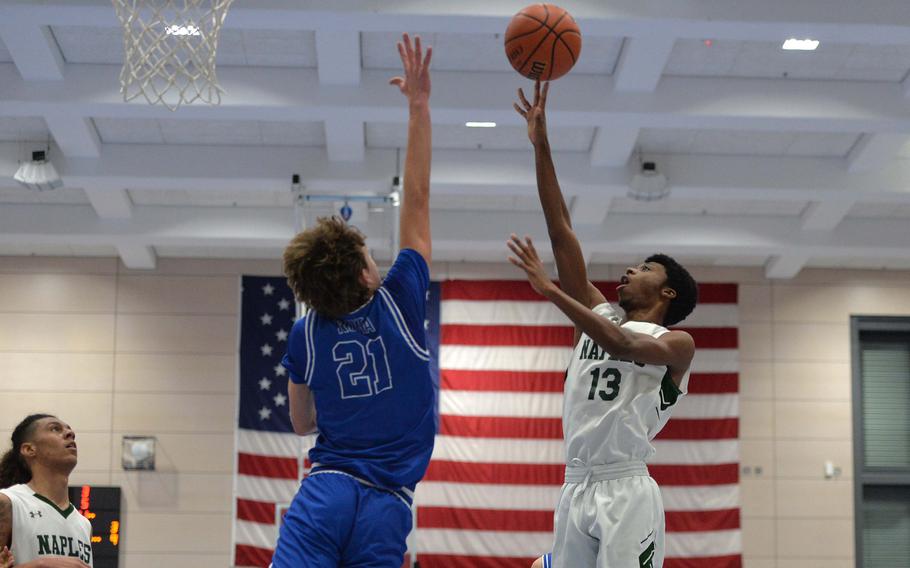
{"type": "Point", "coordinates": [415, 84]}
{"type": "Point", "coordinates": [535, 114]}
{"type": "Point", "coordinates": [529, 261]}
{"type": "Point", "coordinates": [6, 558]}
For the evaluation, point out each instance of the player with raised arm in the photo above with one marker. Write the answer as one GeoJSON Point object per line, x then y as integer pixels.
{"type": "Point", "coordinates": [39, 527]}
{"type": "Point", "coordinates": [624, 378]}
{"type": "Point", "coordinates": [359, 370]}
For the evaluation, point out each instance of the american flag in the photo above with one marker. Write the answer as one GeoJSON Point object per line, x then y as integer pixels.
{"type": "Point", "coordinates": [488, 497]}
{"type": "Point", "coordinates": [270, 457]}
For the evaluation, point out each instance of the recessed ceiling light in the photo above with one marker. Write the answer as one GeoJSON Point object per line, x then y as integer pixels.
{"type": "Point", "coordinates": [187, 30]}
{"type": "Point", "coordinates": [480, 124]}
{"type": "Point", "coordinates": [800, 44]}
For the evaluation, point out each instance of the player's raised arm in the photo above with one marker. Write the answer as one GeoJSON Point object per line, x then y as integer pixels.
{"type": "Point", "coordinates": [570, 264]}
{"type": "Point", "coordinates": [415, 206]}
{"type": "Point", "coordinates": [674, 349]}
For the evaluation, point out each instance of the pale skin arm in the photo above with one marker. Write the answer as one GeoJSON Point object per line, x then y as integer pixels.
{"type": "Point", "coordinates": [6, 521]}
{"type": "Point", "coordinates": [674, 349]}
{"type": "Point", "coordinates": [6, 558]}
{"type": "Point", "coordinates": [302, 408]}
{"type": "Point", "coordinates": [415, 205]}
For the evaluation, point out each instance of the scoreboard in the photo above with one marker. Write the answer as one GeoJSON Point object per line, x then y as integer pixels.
{"type": "Point", "coordinates": [101, 506]}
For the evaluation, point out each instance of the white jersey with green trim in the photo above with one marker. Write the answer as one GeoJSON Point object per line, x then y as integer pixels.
{"type": "Point", "coordinates": [614, 408]}
{"type": "Point", "coordinates": [40, 528]}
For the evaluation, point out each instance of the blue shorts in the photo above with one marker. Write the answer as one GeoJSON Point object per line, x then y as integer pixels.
{"type": "Point", "coordinates": [335, 521]}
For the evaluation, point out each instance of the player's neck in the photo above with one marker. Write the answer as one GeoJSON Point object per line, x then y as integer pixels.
{"type": "Point", "coordinates": [653, 314]}
{"type": "Point", "coordinates": [51, 484]}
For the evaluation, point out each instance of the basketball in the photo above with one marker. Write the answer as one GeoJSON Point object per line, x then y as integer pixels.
{"type": "Point", "coordinates": [543, 42]}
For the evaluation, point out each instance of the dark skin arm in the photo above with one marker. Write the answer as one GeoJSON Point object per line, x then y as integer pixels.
{"type": "Point", "coordinates": [674, 349]}
{"type": "Point", "coordinates": [570, 263]}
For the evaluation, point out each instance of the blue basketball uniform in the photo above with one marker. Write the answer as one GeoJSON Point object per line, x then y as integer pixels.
{"type": "Point", "coordinates": [376, 415]}
{"type": "Point", "coordinates": [548, 560]}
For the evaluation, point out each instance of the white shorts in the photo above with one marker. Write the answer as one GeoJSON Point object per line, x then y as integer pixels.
{"type": "Point", "coordinates": [609, 516]}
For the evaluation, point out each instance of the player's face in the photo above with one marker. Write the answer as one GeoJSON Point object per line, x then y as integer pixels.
{"type": "Point", "coordinates": [53, 443]}
{"type": "Point", "coordinates": [370, 275]}
{"type": "Point", "coordinates": [641, 285]}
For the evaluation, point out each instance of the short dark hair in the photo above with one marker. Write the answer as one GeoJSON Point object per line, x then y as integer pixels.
{"type": "Point", "coordinates": [13, 467]}
{"type": "Point", "coordinates": [682, 282]}
{"type": "Point", "coordinates": [323, 265]}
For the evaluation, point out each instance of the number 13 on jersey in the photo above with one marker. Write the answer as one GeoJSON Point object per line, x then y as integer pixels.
{"type": "Point", "coordinates": [363, 368]}
{"type": "Point", "coordinates": [611, 378]}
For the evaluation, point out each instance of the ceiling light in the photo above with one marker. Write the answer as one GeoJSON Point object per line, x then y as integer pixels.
{"type": "Point", "coordinates": [187, 30]}
{"type": "Point", "coordinates": [480, 124]}
{"type": "Point", "coordinates": [39, 174]}
{"type": "Point", "coordinates": [800, 44]}
{"type": "Point", "coordinates": [648, 184]}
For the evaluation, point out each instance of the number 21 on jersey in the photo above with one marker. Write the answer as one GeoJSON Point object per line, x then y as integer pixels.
{"type": "Point", "coordinates": [363, 368]}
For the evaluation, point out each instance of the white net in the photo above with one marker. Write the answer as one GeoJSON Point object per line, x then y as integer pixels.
{"type": "Point", "coordinates": [170, 48]}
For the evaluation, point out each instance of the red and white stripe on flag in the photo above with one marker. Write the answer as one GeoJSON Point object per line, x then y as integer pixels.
{"type": "Point", "coordinates": [488, 497]}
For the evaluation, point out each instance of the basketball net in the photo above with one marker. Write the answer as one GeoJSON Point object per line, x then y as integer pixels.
{"type": "Point", "coordinates": [169, 50]}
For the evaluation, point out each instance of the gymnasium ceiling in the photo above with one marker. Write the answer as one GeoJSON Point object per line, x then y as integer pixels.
{"type": "Point", "coordinates": [780, 159]}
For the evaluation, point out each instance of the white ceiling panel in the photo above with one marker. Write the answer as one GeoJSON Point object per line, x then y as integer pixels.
{"type": "Point", "coordinates": [56, 250]}
{"type": "Point", "coordinates": [522, 203]}
{"type": "Point", "coordinates": [62, 196]}
{"type": "Point", "coordinates": [292, 133]}
{"type": "Point", "coordinates": [90, 44]}
{"type": "Point", "coordinates": [23, 129]}
{"type": "Point", "coordinates": [859, 262]}
{"type": "Point", "coordinates": [730, 58]}
{"type": "Point", "coordinates": [5, 57]}
{"type": "Point", "coordinates": [217, 133]}
{"type": "Point", "coordinates": [129, 130]}
{"type": "Point", "coordinates": [479, 52]}
{"type": "Point", "coordinates": [184, 198]}
{"type": "Point", "coordinates": [214, 252]}
{"type": "Point", "coordinates": [681, 206]}
{"type": "Point", "coordinates": [733, 142]}
{"type": "Point", "coordinates": [268, 48]}
{"type": "Point", "coordinates": [881, 210]}
{"type": "Point", "coordinates": [454, 136]}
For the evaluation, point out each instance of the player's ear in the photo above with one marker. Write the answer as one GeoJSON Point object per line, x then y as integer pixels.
{"type": "Point", "coordinates": [668, 293]}
{"type": "Point", "coordinates": [28, 450]}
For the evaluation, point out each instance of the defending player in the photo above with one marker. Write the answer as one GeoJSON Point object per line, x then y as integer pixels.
{"type": "Point", "coordinates": [38, 524]}
{"type": "Point", "coordinates": [359, 371]}
{"type": "Point", "coordinates": [621, 384]}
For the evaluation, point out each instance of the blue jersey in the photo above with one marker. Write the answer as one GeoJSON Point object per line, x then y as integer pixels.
{"type": "Point", "coordinates": [370, 377]}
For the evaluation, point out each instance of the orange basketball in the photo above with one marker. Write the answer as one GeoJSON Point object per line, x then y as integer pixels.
{"type": "Point", "coordinates": [543, 42]}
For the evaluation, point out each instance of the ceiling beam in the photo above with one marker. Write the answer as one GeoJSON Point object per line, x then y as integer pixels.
{"type": "Point", "coordinates": [137, 256]}
{"type": "Point", "coordinates": [345, 139]}
{"type": "Point", "coordinates": [75, 135]}
{"type": "Point", "coordinates": [875, 150]}
{"type": "Point", "coordinates": [590, 210]}
{"type": "Point", "coordinates": [469, 172]}
{"type": "Point", "coordinates": [612, 146]}
{"type": "Point", "coordinates": [110, 203]}
{"type": "Point", "coordinates": [296, 95]}
{"type": "Point", "coordinates": [786, 265]}
{"type": "Point", "coordinates": [33, 49]}
{"type": "Point", "coordinates": [838, 21]}
{"type": "Point", "coordinates": [826, 215]}
{"type": "Point", "coordinates": [642, 62]}
{"type": "Point", "coordinates": [338, 57]}
{"type": "Point", "coordinates": [481, 231]}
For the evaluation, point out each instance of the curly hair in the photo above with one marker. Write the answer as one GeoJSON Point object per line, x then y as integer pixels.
{"type": "Point", "coordinates": [13, 467]}
{"type": "Point", "coordinates": [323, 265]}
{"type": "Point", "coordinates": [682, 282]}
